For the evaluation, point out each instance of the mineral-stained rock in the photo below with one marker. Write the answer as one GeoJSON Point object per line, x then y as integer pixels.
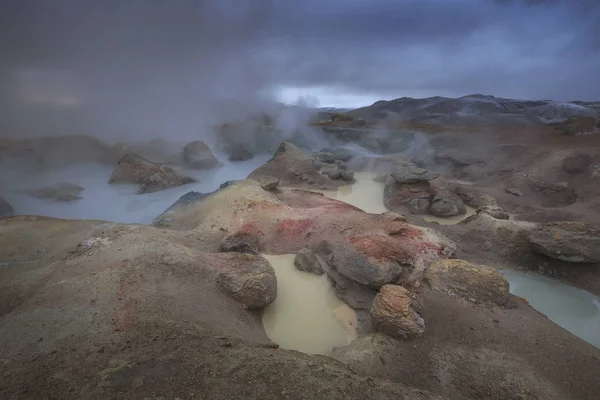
{"type": "Point", "coordinates": [398, 313]}
{"type": "Point", "coordinates": [240, 243]}
{"type": "Point", "coordinates": [250, 280]}
{"type": "Point", "coordinates": [470, 281]}
{"type": "Point", "coordinates": [373, 259]}
{"type": "Point", "coordinates": [567, 241]}
{"type": "Point", "coordinates": [306, 260]}
{"type": "Point", "coordinates": [295, 168]}
{"type": "Point", "coordinates": [446, 204]}
{"type": "Point", "coordinates": [62, 191]}
{"type": "Point", "coordinates": [151, 177]}
{"type": "Point", "coordinates": [416, 197]}
{"type": "Point", "coordinates": [5, 208]}
{"type": "Point", "coordinates": [199, 156]}
{"type": "Point", "coordinates": [493, 210]}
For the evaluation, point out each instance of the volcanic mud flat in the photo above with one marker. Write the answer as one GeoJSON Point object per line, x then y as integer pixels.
{"type": "Point", "coordinates": [306, 316]}
{"type": "Point", "coordinates": [92, 309]}
{"type": "Point", "coordinates": [574, 309]}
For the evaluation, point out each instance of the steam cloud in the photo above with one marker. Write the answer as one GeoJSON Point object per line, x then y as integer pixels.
{"type": "Point", "coordinates": [145, 68]}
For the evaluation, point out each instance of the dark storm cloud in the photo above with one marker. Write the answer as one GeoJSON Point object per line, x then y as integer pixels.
{"type": "Point", "coordinates": [165, 62]}
{"type": "Point", "coordinates": [511, 48]}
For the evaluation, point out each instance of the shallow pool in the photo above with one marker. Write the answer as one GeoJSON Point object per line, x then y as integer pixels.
{"type": "Point", "coordinates": [306, 315]}
{"type": "Point", "coordinates": [574, 309]}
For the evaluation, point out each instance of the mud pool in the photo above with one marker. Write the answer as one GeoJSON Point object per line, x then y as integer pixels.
{"type": "Point", "coordinates": [365, 193]}
{"type": "Point", "coordinates": [306, 315]}
{"type": "Point", "coordinates": [573, 309]}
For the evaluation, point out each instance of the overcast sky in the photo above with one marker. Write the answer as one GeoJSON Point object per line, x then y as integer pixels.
{"type": "Point", "coordinates": [180, 55]}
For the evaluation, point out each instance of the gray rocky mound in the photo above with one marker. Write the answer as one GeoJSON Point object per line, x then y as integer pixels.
{"type": "Point", "coordinates": [150, 176]}
{"type": "Point", "coordinates": [198, 155]}
{"type": "Point", "coordinates": [62, 191]}
{"type": "Point", "coordinates": [295, 168]}
{"type": "Point", "coordinates": [568, 241]}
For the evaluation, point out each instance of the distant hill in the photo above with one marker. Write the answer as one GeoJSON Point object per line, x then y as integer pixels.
{"type": "Point", "coordinates": [476, 109]}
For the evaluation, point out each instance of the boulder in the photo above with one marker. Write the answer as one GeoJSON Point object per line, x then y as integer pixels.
{"type": "Point", "coordinates": [552, 194]}
{"type": "Point", "coordinates": [249, 279]}
{"type": "Point", "coordinates": [412, 174]}
{"type": "Point", "coordinates": [446, 204]}
{"type": "Point", "coordinates": [494, 211]}
{"type": "Point", "coordinates": [295, 168]}
{"type": "Point", "coordinates": [473, 197]}
{"type": "Point", "coordinates": [269, 183]}
{"type": "Point", "coordinates": [577, 163]}
{"type": "Point", "coordinates": [240, 153]}
{"type": "Point", "coordinates": [340, 153]}
{"type": "Point", "coordinates": [332, 172]}
{"type": "Point", "coordinates": [514, 192]}
{"type": "Point", "coordinates": [5, 208]}
{"type": "Point", "coordinates": [165, 178]}
{"type": "Point", "coordinates": [347, 175]}
{"type": "Point", "coordinates": [133, 169]}
{"type": "Point", "coordinates": [62, 191]}
{"type": "Point", "coordinates": [306, 260]}
{"type": "Point", "coordinates": [477, 283]}
{"type": "Point", "coordinates": [416, 197]}
{"type": "Point", "coordinates": [374, 259]}
{"type": "Point", "coordinates": [151, 177]}
{"type": "Point", "coordinates": [198, 155]}
{"type": "Point", "coordinates": [240, 242]}
{"type": "Point", "coordinates": [567, 241]}
{"type": "Point", "coordinates": [397, 312]}
{"type": "Point", "coordinates": [324, 157]}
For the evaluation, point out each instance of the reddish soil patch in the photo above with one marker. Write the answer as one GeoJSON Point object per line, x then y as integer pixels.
{"type": "Point", "coordinates": [292, 228]}
{"type": "Point", "coordinates": [381, 248]}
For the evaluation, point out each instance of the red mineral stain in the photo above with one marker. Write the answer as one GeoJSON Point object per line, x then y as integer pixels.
{"type": "Point", "coordinates": [431, 248]}
{"type": "Point", "coordinates": [340, 206]}
{"type": "Point", "coordinates": [406, 233]}
{"type": "Point", "coordinates": [381, 248]}
{"type": "Point", "coordinates": [126, 305]}
{"type": "Point", "coordinates": [250, 229]}
{"type": "Point", "coordinates": [293, 227]}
